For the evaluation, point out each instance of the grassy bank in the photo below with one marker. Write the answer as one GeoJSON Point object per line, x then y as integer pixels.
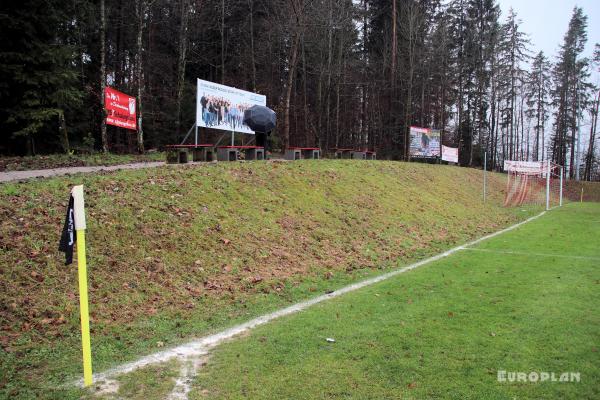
{"type": "Point", "coordinates": [586, 191]}
{"type": "Point", "coordinates": [176, 252]}
{"type": "Point", "coordinates": [74, 160]}
{"type": "Point", "coordinates": [524, 301]}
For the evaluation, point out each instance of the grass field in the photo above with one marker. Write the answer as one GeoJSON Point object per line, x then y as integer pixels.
{"type": "Point", "coordinates": [526, 301]}
{"type": "Point", "coordinates": [179, 252]}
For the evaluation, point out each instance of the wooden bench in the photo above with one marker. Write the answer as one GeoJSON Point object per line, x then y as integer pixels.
{"type": "Point", "coordinates": [358, 155]}
{"type": "Point", "coordinates": [297, 153]}
{"type": "Point", "coordinates": [179, 153]}
{"type": "Point", "coordinates": [343, 153]}
{"type": "Point", "coordinates": [231, 153]}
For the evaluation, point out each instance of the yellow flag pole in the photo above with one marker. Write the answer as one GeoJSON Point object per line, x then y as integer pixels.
{"type": "Point", "coordinates": [79, 214]}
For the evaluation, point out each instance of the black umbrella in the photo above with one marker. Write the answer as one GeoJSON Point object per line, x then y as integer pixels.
{"type": "Point", "coordinates": [260, 119]}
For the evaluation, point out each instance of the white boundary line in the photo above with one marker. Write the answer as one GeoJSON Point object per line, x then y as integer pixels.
{"type": "Point", "coordinates": [201, 346]}
{"type": "Point", "coordinates": [524, 253]}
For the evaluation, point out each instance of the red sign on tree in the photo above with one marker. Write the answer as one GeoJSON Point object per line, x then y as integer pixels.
{"type": "Point", "coordinates": [120, 109]}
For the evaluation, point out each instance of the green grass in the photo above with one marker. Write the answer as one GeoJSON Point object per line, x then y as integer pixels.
{"type": "Point", "coordinates": [441, 331]}
{"type": "Point", "coordinates": [148, 383]}
{"type": "Point", "coordinates": [178, 252]}
{"type": "Point", "coordinates": [74, 160]}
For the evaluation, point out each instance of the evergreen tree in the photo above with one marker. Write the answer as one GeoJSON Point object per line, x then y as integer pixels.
{"type": "Point", "coordinates": [40, 84]}
{"type": "Point", "coordinates": [538, 90]}
{"type": "Point", "coordinates": [567, 84]}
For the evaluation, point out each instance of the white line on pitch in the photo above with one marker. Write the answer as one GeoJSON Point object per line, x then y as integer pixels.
{"type": "Point", "coordinates": [201, 346]}
{"type": "Point", "coordinates": [525, 253]}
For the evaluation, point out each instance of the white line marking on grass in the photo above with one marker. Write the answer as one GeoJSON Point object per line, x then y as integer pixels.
{"type": "Point", "coordinates": [183, 384]}
{"type": "Point", "coordinates": [525, 253]}
{"type": "Point", "coordinates": [201, 346]}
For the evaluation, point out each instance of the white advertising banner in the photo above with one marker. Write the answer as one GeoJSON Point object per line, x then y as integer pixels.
{"type": "Point", "coordinates": [527, 167]}
{"type": "Point", "coordinates": [222, 107]}
{"type": "Point", "coordinates": [450, 154]}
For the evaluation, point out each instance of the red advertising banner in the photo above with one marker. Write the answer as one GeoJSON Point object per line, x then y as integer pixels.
{"type": "Point", "coordinates": [120, 109]}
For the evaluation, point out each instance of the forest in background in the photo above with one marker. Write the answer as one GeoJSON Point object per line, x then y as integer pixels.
{"type": "Point", "coordinates": [339, 73]}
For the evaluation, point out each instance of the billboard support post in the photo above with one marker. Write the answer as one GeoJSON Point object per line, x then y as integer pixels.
{"type": "Point", "coordinates": [196, 135]}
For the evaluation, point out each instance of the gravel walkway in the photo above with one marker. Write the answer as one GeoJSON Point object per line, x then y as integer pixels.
{"type": "Point", "coordinates": [46, 173]}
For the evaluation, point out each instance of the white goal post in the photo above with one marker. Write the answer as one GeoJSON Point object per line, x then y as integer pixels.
{"type": "Point", "coordinates": [534, 182]}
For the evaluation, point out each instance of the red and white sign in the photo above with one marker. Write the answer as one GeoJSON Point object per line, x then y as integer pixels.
{"type": "Point", "coordinates": [120, 109]}
{"type": "Point", "coordinates": [450, 154]}
{"type": "Point", "coordinates": [526, 167]}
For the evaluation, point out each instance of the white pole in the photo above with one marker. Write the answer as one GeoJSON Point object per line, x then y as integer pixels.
{"type": "Point", "coordinates": [196, 127]}
{"type": "Point", "coordinates": [548, 185]}
{"type": "Point", "coordinates": [561, 185]}
{"type": "Point", "coordinates": [484, 175]}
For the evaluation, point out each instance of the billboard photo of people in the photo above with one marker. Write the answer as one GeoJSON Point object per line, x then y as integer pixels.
{"type": "Point", "coordinates": [222, 107]}
{"type": "Point", "coordinates": [424, 142]}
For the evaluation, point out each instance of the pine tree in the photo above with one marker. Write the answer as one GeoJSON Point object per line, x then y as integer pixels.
{"type": "Point", "coordinates": [594, 109]}
{"type": "Point", "coordinates": [513, 53]}
{"type": "Point", "coordinates": [40, 84]}
{"type": "Point", "coordinates": [566, 92]}
{"type": "Point", "coordinates": [538, 90]}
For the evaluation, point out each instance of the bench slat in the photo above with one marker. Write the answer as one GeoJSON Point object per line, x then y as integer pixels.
{"type": "Point", "coordinates": [240, 147]}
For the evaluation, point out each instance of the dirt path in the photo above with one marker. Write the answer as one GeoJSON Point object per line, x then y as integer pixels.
{"type": "Point", "coordinates": [46, 173]}
{"type": "Point", "coordinates": [12, 176]}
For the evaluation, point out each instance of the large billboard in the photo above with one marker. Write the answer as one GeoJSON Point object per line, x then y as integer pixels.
{"type": "Point", "coordinates": [424, 142]}
{"type": "Point", "coordinates": [222, 107]}
{"type": "Point", "coordinates": [120, 109]}
{"type": "Point", "coordinates": [450, 154]}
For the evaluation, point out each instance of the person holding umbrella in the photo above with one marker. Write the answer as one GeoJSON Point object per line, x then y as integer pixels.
{"type": "Point", "coordinates": [262, 121]}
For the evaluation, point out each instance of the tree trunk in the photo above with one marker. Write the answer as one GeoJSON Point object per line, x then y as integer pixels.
{"type": "Point", "coordinates": [62, 128]}
{"type": "Point", "coordinates": [307, 141]}
{"type": "Point", "coordinates": [103, 134]}
{"type": "Point", "coordinates": [183, 28]}
{"type": "Point", "coordinates": [140, 10]}
{"type": "Point", "coordinates": [329, 63]}
{"type": "Point", "coordinates": [574, 136]}
{"type": "Point", "coordinates": [394, 45]}
{"type": "Point", "coordinates": [223, 42]}
{"type": "Point", "coordinates": [337, 93]}
{"type": "Point", "coordinates": [252, 61]}
{"type": "Point", "coordinates": [591, 149]}
{"type": "Point", "coordinates": [288, 92]}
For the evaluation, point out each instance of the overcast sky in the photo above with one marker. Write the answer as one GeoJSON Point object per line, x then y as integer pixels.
{"type": "Point", "coordinates": [547, 21]}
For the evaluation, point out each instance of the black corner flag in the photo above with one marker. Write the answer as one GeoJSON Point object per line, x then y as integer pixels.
{"type": "Point", "coordinates": [68, 238]}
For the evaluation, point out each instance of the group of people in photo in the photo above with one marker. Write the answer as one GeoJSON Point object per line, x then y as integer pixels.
{"type": "Point", "coordinates": [218, 111]}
